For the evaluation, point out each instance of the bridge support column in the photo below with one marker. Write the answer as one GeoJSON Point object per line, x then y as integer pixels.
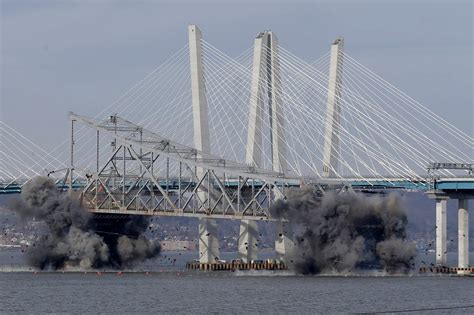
{"type": "Point", "coordinates": [248, 238]}
{"type": "Point", "coordinates": [441, 236]}
{"type": "Point", "coordinates": [208, 242]}
{"type": "Point", "coordinates": [463, 235]}
{"type": "Point", "coordinates": [333, 111]}
{"type": "Point", "coordinates": [284, 242]}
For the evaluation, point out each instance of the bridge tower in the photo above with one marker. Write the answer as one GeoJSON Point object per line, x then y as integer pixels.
{"type": "Point", "coordinates": [284, 239]}
{"type": "Point", "coordinates": [333, 111]}
{"type": "Point", "coordinates": [247, 244]}
{"type": "Point", "coordinates": [208, 242]}
{"type": "Point", "coordinates": [266, 68]}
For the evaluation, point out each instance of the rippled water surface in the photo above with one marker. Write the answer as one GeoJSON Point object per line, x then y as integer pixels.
{"type": "Point", "coordinates": [195, 292]}
{"type": "Point", "coordinates": [167, 288]}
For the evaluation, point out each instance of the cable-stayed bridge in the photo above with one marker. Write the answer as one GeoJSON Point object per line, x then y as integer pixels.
{"type": "Point", "coordinates": [212, 136]}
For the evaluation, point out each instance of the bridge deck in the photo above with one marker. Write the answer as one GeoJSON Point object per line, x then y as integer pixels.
{"type": "Point", "coordinates": [445, 184]}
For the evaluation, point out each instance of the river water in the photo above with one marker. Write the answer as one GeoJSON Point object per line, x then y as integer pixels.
{"type": "Point", "coordinates": [163, 286]}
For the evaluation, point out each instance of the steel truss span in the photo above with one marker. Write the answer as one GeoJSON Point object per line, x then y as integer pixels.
{"type": "Point", "coordinates": [147, 174]}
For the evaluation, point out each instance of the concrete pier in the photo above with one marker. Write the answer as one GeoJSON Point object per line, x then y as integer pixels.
{"type": "Point", "coordinates": [247, 244]}
{"type": "Point", "coordinates": [441, 236]}
{"type": "Point", "coordinates": [284, 241]}
{"type": "Point", "coordinates": [463, 235]}
{"type": "Point", "coordinates": [208, 241]}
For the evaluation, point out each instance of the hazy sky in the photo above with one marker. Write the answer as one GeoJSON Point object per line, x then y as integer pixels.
{"type": "Point", "coordinates": [60, 56]}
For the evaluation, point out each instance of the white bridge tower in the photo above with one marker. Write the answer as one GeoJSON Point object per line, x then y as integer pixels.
{"type": "Point", "coordinates": [266, 68]}
{"type": "Point", "coordinates": [333, 111]}
{"type": "Point", "coordinates": [208, 241]}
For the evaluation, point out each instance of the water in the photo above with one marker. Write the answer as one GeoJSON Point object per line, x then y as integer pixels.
{"type": "Point", "coordinates": [195, 292]}
{"type": "Point", "coordinates": [170, 289]}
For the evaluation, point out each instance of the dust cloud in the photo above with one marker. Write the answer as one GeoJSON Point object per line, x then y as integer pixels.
{"type": "Point", "coordinates": [77, 239]}
{"type": "Point", "coordinates": [342, 233]}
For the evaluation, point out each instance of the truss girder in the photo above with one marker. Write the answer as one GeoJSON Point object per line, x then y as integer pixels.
{"type": "Point", "coordinates": [133, 135]}
{"type": "Point", "coordinates": [135, 186]}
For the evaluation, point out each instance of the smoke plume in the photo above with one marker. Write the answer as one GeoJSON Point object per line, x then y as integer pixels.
{"type": "Point", "coordinates": [346, 232]}
{"type": "Point", "coordinates": [75, 237]}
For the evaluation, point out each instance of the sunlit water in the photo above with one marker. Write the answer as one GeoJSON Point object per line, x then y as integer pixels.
{"type": "Point", "coordinates": [164, 285]}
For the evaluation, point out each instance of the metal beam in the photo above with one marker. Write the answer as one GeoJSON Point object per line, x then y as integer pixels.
{"type": "Point", "coordinates": [176, 149]}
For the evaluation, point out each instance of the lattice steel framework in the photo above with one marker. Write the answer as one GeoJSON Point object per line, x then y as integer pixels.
{"type": "Point", "coordinates": [147, 174]}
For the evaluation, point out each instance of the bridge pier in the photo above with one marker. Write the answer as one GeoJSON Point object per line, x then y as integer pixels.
{"type": "Point", "coordinates": [441, 197]}
{"type": "Point", "coordinates": [463, 235]}
{"type": "Point", "coordinates": [208, 241]}
{"type": "Point", "coordinates": [284, 241]}
{"type": "Point", "coordinates": [441, 232]}
{"type": "Point", "coordinates": [248, 237]}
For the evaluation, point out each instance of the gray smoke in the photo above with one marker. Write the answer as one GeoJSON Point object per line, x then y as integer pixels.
{"type": "Point", "coordinates": [347, 232]}
{"type": "Point", "coordinates": [72, 239]}
{"type": "Point", "coordinates": [131, 250]}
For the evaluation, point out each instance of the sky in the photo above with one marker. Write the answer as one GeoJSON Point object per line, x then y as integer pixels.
{"type": "Point", "coordinates": [61, 56]}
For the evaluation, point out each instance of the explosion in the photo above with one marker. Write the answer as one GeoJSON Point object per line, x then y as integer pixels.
{"type": "Point", "coordinates": [342, 233]}
{"type": "Point", "coordinates": [75, 238]}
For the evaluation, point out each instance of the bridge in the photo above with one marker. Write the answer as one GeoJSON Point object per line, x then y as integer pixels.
{"type": "Point", "coordinates": [210, 136]}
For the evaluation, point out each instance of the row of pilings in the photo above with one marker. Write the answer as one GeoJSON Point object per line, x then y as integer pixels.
{"type": "Point", "coordinates": [448, 270]}
{"type": "Point", "coordinates": [232, 266]}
